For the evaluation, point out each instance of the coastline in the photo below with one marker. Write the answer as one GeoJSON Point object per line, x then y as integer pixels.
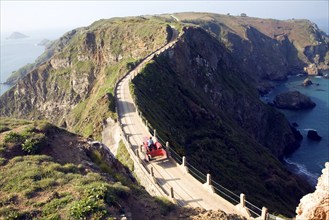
{"type": "Point", "coordinates": [301, 171]}
{"type": "Point", "coordinates": [308, 160]}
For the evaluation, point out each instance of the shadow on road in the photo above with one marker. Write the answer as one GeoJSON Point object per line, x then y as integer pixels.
{"type": "Point", "coordinates": [165, 163]}
{"type": "Point", "coordinates": [193, 200]}
{"type": "Point", "coordinates": [163, 181]}
{"type": "Point", "coordinates": [126, 107]}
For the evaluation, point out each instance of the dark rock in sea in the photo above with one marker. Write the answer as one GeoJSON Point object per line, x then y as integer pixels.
{"type": "Point", "coordinates": [293, 100]}
{"type": "Point", "coordinates": [295, 124]}
{"type": "Point", "coordinates": [313, 135]}
{"type": "Point", "coordinates": [16, 35]}
{"type": "Point", "coordinates": [307, 82]}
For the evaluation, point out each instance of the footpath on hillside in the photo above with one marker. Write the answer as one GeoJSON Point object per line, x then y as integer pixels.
{"type": "Point", "coordinates": [187, 190]}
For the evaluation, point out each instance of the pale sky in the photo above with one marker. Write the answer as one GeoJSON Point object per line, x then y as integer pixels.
{"type": "Point", "coordinates": [38, 15]}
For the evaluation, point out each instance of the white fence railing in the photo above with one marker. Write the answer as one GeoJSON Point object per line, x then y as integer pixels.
{"type": "Point", "coordinates": [161, 188]}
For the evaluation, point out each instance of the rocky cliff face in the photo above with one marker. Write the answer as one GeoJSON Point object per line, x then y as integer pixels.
{"type": "Point", "coordinates": [216, 119]}
{"type": "Point", "coordinates": [51, 49]}
{"type": "Point", "coordinates": [315, 206]}
{"type": "Point", "coordinates": [74, 87]}
{"type": "Point", "coordinates": [268, 49]}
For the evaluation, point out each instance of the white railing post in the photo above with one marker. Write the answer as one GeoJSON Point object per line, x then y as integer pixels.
{"type": "Point", "coordinates": [264, 213]}
{"type": "Point", "coordinates": [242, 200]}
{"type": "Point", "coordinates": [241, 207]}
{"type": "Point", "coordinates": [183, 165]}
{"type": "Point", "coordinates": [168, 149]}
{"type": "Point", "coordinates": [208, 179]}
{"type": "Point", "coordinates": [155, 135]}
{"type": "Point", "coordinates": [208, 185]}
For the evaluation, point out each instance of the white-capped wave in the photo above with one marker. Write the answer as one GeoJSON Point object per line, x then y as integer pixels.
{"type": "Point", "coordinates": [302, 170]}
{"type": "Point", "coordinates": [307, 129]}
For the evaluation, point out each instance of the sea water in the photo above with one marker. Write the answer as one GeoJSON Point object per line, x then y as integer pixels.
{"type": "Point", "coordinates": [310, 158]}
{"type": "Point", "coordinates": [16, 53]}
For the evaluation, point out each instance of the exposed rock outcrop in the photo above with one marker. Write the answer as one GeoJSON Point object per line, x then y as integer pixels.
{"type": "Point", "coordinates": [293, 100]}
{"type": "Point", "coordinates": [296, 44]}
{"type": "Point", "coordinates": [80, 73]}
{"type": "Point", "coordinates": [307, 82]}
{"type": "Point", "coordinates": [313, 135]}
{"type": "Point", "coordinates": [312, 69]}
{"type": "Point", "coordinates": [51, 48]}
{"type": "Point", "coordinates": [315, 206]}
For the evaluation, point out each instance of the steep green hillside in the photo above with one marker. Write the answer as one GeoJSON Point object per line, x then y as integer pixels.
{"type": "Point", "coordinates": [195, 98]}
{"type": "Point", "coordinates": [74, 87]}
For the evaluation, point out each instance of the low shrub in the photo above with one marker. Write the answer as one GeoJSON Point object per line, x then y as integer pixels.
{"type": "Point", "coordinates": [13, 137]}
{"type": "Point", "coordinates": [86, 207]}
{"type": "Point", "coordinates": [29, 140]}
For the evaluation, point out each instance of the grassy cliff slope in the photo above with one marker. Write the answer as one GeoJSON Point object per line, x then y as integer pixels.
{"type": "Point", "coordinates": [66, 178]}
{"type": "Point", "coordinates": [195, 98]}
{"type": "Point", "coordinates": [74, 88]}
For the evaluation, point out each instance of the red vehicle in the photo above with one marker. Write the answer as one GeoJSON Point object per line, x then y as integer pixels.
{"type": "Point", "coordinates": [155, 150]}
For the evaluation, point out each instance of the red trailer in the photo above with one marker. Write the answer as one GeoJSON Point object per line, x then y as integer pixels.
{"type": "Point", "coordinates": [154, 150]}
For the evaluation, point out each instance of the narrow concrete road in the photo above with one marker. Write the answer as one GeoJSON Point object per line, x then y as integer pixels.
{"type": "Point", "coordinates": [187, 190]}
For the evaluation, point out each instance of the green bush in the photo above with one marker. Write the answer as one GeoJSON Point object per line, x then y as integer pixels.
{"type": "Point", "coordinates": [55, 205]}
{"type": "Point", "coordinates": [33, 144]}
{"type": "Point", "coordinates": [86, 207]}
{"type": "Point", "coordinates": [30, 146]}
{"type": "Point", "coordinates": [96, 191]}
{"type": "Point", "coordinates": [13, 137]}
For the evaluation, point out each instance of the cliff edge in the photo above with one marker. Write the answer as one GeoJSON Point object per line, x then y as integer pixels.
{"type": "Point", "coordinates": [316, 205]}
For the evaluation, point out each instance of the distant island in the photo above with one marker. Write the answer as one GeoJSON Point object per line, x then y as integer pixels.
{"type": "Point", "coordinates": [16, 35]}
